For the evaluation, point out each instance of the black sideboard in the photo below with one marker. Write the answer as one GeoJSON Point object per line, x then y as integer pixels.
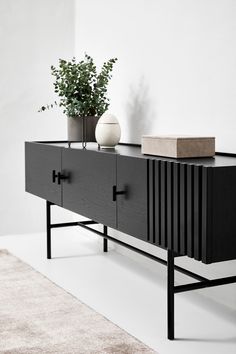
{"type": "Point", "coordinates": [185, 206]}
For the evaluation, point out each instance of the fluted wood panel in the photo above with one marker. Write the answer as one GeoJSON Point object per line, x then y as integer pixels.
{"type": "Point", "coordinates": [163, 203]}
{"type": "Point", "coordinates": [169, 197]}
{"type": "Point", "coordinates": [157, 202]}
{"type": "Point", "coordinates": [175, 207]}
{"type": "Point", "coordinates": [189, 215]}
{"type": "Point", "coordinates": [197, 213]}
{"type": "Point", "coordinates": [183, 209]}
{"type": "Point", "coordinates": [179, 204]}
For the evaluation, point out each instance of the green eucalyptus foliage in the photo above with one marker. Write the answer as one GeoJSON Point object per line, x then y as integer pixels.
{"type": "Point", "coordinates": [82, 91]}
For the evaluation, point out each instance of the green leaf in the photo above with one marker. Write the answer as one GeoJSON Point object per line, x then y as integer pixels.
{"type": "Point", "coordinates": [81, 90]}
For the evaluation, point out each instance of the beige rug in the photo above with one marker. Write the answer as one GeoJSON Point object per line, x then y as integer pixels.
{"type": "Point", "coordinates": [37, 316]}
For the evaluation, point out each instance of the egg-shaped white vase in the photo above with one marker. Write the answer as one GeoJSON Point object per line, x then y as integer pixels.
{"type": "Point", "coordinates": [108, 131]}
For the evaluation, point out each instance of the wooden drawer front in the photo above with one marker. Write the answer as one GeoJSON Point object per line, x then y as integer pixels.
{"type": "Point", "coordinates": [132, 207]}
{"type": "Point", "coordinates": [40, 161]}
{"type": "Point", "coordinates": [89, 189]}
{"type": "Point", "coordinates": [180, 206]}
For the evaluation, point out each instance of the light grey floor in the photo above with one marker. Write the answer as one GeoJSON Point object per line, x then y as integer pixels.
{"type": "Point", "coordinates": [129, 294]}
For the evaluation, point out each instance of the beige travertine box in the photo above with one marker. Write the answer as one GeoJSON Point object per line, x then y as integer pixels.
{"type": "Point", "coordinates": [178, 146]}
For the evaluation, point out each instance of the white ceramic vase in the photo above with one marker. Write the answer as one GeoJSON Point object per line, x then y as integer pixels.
{"type": "Point", "coordinates": [108, 131]}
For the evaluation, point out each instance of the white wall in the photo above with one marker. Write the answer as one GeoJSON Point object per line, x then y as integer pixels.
{"type": "Point", "coordinates": [176, 73]}
{"type": "Point", "coordinates": [33, 35]}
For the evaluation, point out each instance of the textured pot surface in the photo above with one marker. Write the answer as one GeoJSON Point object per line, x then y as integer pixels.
{"type": "Point", "coordinates": [75, 128]}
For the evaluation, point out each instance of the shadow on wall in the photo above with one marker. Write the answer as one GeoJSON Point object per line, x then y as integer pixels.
{"type": "Point", "coordinates": [140, 111]}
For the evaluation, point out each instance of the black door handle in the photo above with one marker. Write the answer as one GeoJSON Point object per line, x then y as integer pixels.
{"type": "Point", "coordinates": [59, 176]}
{"type": "Point", "coordinates": [54, 176]}
{"type": "Point", "coordinates": [115, 192]}
{"type": "Point", "coordinates": [62, 176]}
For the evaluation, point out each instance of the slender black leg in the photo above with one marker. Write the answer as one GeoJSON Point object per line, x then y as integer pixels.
{"type": "Point", "coordinates": [105, 241]}
{"type": "Point", "coordinates": [48, 207]}
{"type": "Point", "coordinates": [170, 295]}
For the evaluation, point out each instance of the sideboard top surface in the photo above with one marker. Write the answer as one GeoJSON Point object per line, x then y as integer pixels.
{"type": "Point", "coordinates": [219, 160]}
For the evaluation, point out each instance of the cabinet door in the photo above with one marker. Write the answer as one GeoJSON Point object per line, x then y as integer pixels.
{"type": "Point", "coordinates": [40, 161]}
{"type": "Point", "coordinates": [132, 206]}
{"type": "Point", "coordinates": [89, 189]}
{"type": "Point", "coordinates": [219, 236]}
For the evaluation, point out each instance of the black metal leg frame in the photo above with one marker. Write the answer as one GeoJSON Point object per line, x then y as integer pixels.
{"type": "Point", "coordinates": [171, 267]}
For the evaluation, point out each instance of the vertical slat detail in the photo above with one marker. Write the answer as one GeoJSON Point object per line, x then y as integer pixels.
{"type": "Point", "coordinates": [163, 212]}
{"type": "Point", "coordinates": [197, 211]}
{"type": "Point", "coordinates": [151, 198]}
{"type": "Point", "coordinates": [190, 210]}
{"type": "Point", "coordinates": [153, 203]}
{"type": "Point", "coordinates": [169, 179]}
{"type": "Point", "coordinates": [183, 209]}
{"type": "Point", "coordinates": [179, 207]}
{"type": "Point", "coordinates": [157, 214]}
{"type": "Point", "coordinates": [148, 202]}
{"type": "Point", "coordinates": [207, 220]}
{"type": "Point", "coordinates": [176, 206]}
{"type": "Point", "coordinates": [204, 214]}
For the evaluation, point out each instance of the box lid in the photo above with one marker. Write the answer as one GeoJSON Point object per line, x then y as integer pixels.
{"type": "Point", "coordinates": [178, 137]}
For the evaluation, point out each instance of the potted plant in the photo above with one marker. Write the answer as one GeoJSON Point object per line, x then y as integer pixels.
{"type": "Point", "coordinates": [82, 93]}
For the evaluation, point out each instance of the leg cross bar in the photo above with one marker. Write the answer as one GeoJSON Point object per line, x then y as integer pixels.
{"type": "Point", "coordinates": [171, 267]}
